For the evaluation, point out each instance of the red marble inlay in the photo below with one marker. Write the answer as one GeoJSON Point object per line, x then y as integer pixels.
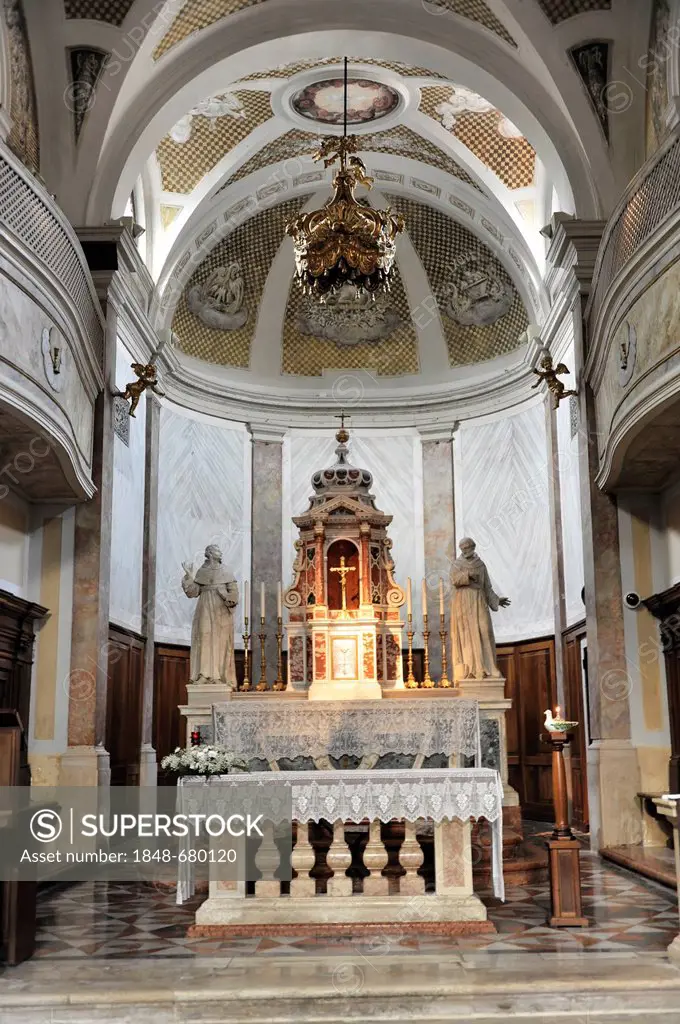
{"type": "Point", "coordinates": [369, 657]}
{"type": "Point", "coordinates": [430, 927]}
{"type": "Point", "coordinates": [379, 657]}
{"type": "Point", "coordinates": [308, 651]}
{"type": "Point", "coordinates": [319, 656]}
{"type": "Point", "coordinates": [394, 666]}
{"type": "Point", "coordinates": [297, 668]}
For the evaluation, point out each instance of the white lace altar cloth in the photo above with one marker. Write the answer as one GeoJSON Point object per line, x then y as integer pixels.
{"type": "Point", "coordinates": [402, 793]}
{"type": "Point", "coordinates": [273, 729]}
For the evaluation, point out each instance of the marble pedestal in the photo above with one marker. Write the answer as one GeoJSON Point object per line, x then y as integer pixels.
{"type": "Point", "coordinates": [493, 705]}
{"type": "Point", "coordinates": [671, 810]}
{"type": "Point", "coordinates": [198, 709]}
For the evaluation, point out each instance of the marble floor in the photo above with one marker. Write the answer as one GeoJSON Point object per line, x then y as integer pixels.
{"type": "Point", "coordinates": [627, 914]}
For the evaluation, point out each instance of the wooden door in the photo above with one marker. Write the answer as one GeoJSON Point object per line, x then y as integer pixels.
{"type": "Point", "coordinates": [171, 675]}
{"type": "Point", "coordinates": [124, 705]}
{"type": "Point", "coordinates": [529, 670]}
{"type": "Point", "coordinates": [574, 710]}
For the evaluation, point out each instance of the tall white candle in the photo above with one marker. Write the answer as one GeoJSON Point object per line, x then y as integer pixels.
{"type": "Point", "coordinates": [246, 611]}
{"type": "Point", "coordinates": [424, 593]}
{"type": "Point", "coordinates": [261, 600]}
{"type": "Point", "coordinates": [408, 595]}
{"type": "Point", "coordinates": [279, 611]}
{"type": "Point", "coordinates": [441, 598]}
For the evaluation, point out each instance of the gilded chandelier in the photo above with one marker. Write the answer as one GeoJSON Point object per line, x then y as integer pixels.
{"type": "Point", "coordinates": [344, 243]}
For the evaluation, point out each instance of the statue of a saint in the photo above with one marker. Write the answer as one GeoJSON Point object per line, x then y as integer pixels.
{"type": "Point", "coordinates": [212, 630]}
{"type": "Point", "coordinates": [472, 640]}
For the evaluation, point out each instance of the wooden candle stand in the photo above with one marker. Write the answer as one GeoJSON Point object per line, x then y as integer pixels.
{"type": "Point", "coordinates": [563, 848]}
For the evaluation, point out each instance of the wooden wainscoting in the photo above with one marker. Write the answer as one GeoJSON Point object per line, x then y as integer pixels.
{"type": "Point", "coordinates": [529, 670]}
{"type": "Point", "coordinates": [124, 705]}
{"type": "Point", "coordinates": [574, 710]}
{"type": "Point", "coordinates": [171, 675]}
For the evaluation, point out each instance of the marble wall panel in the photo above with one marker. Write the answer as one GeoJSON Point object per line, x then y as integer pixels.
{"type": "Point", "coordinates": [501, 495]}
{"type": "Point", "coordinates": [127, 518]}
{"type": "Point", "coordinates": [204, 497]}
{"type": "Point", "coordinates": [395, 460]}
{"type": "Point", "coordinates": [570, 502]}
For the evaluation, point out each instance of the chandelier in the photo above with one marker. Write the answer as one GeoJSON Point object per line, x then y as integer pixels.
{"type": "Point", "coordinates": [344, 243]}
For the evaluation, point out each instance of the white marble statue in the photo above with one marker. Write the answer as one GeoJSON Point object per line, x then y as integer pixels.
{"type": "Point", "coordinates": [219, 301]}
{"type": "Point", "coordinates": [472, 640]}
{"type": "Point", "coordinates": [212, 630]}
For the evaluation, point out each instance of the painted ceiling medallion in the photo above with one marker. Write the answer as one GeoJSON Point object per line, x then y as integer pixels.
{"type": "Point", "coordinates": [367, 100]}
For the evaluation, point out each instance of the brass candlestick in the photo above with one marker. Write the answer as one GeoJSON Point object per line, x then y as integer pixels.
{"type": "Point", "coordinates": [262, 685]}
{"type": "Point", "coordinates": [411, 681]}
{"type": "Point", "coordinates": [444, 682]}
{"type": "Point", "coordinates": [279, 682]}
{"type": "Point", "coordinates": [427, 682]}
{"type": "Point", "coordinates": [246, 656]}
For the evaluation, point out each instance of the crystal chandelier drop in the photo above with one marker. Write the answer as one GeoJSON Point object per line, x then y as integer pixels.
{"type": "Point", "coordinates": [344, 243]}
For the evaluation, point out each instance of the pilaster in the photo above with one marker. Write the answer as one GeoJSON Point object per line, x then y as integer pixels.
{"type": "Point", "coordinates": [148, 766]}
{"type": "Point", "coordinates": [267, 533]}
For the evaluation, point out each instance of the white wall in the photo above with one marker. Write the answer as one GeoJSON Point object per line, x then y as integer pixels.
{"type": "Point", "coordinates": [501, 498]}
{"type": "Point", "coordinates": [14, 535]}
{"type": "Point", "coordinates": [670, 514]}
{"type": "Point", "coordinates": [127, 523]}
{"type": "Point", "coordinates": [204, 497]}
{"type": "Point", "coordinates": [394, 458]}
{"type": "Point", "coordinates": [570, 499]}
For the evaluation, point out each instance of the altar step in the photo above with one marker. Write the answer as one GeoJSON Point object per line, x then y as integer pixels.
{"type": "Point", "coordinates": [352, 989]}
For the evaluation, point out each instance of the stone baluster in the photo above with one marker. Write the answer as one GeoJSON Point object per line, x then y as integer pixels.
{"type": "Point", "coordinates": [267, 861]}
{"type": "Point", "coordinates": [375, 859]}
{"type": "Point", "coordinates": [411, 857]}
{"type": "Point", "coordinates": [302, 859]}
{"type": "Point", "coordinates": [339, 859]}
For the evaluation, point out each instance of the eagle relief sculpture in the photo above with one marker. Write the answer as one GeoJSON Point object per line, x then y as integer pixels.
{"type": "Point", "coordinates": [475, 295]}
{"type": "Point", "coordinates": [218, 302]}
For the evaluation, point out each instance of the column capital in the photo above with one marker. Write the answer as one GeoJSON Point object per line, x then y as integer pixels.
{"type": "Point", "coordinates": [439, 431]}
{"type": "Point", "coordinates": [267, 432]}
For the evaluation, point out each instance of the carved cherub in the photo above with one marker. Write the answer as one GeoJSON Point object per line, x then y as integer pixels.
{"type": "Point", "coordinates": [146, 374]}
{"type": "Point", "coordinates": [548, 373]}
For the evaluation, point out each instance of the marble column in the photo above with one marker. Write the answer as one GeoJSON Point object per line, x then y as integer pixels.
{"type": "Point", "coordinates": [556, 541]}
{"type": "Point", "coordinates": [439, 526]}
{"type": "Point", "coordinates": [147, 758]}
{"type": "Point", "coordinates": [267, 534]}
{"type": "Point", "coordinates": [85, 762]}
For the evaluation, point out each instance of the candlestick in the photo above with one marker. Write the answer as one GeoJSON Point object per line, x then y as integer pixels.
{"type": "Point", "coordinates": [423, 593]}
{"type": "Point", "coordinates": [441, 599]}
{"type": "Point", "coordinates": [279, 602]}
{"type": "Point", "coordinates": [246, 653]}
{"type": "Point", "coordinates": [408, 597]}
{"type": "Point", "coordinates": [563, 847]}
{"type": "Point", "coordinates": [427, 682]}
{"type": "Point", "coordinates": [246, 606]}
{"type": "Point", "coordinates": [262, 684]}
{"type": "Point", "coordinates": [444, 682]}
{"type": "Point", "coordinates": [279, 683]}
{"type": "Point", "coordinates": [411, 681]}
{"type": "Point", "coordinates": [262, 611]}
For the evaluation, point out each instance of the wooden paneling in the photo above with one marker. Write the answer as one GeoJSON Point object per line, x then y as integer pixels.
{"type": "Point", "coordinates": [574, 710]}
{"type": "Point", "coordinates": [171, 675]}
{"type": "Point", "coordinates": [666, 607]}
{"type": "Point", "coordinates": [529, 670]}
{"type": "Point", "coordinates": [124, 705]}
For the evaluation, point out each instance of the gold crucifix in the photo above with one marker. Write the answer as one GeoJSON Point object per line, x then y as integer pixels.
{"type": "Point", "coordinates": [343, 570]}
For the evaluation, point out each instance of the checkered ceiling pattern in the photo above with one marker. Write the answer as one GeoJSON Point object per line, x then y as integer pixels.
{"type": "Point", "coordinates": [297, 146]}
{"type": "Point", "coordinates": [437, 239]}
{"type": "Point", "coordinates": [560, 10]}
{"type": "Point", "coordinates": [254, 245]}
{"type": "Point", "coordinates": [306, 356]}
{"type": "Point", "coordinates": [196, 15]}
{"type": "Point", "coordinates": [113, 11]}
{"type": "Point", "coordinates": [288, 70]}
{"type": "Point", "coordinates": [184, 164]}
{"type": "Point", "coordinates": [513, 160]}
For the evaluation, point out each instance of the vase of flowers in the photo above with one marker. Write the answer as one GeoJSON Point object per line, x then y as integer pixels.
{"type": "Point", "coordinates": [203, 760]}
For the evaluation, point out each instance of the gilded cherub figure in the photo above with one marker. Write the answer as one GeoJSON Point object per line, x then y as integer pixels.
{"type": "Point", "coordinates": [548, 373]}
{"type": "Point", "coordinates": [146, 374]}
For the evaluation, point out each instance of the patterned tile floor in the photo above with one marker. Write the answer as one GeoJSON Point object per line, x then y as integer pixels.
{"type": "Point", "coordinates": [95, 919]}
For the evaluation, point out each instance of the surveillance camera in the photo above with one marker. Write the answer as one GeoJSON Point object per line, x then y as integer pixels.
{"type": "Point", "coordinates": [632, 600]}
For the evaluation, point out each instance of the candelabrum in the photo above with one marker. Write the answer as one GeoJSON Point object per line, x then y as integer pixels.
{"type": "Point", "coordinates": [246, 656]}
{"type": "Point", "coordinates": [427, 682]}
{"type": "Point", "coordinates": [411, 681]}
{"type": "Point", "coordinates": [279, 682]}
{"type": "Point", "coordinates": [262, 685]}
{"type": "Point", "coordinates": [444, 682]}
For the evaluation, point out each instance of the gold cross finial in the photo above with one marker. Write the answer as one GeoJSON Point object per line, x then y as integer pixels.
{"type": "Point", "coordinates": [343, 434]}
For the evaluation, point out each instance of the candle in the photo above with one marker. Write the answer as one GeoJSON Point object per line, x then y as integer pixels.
{"type": "Point", "coordinates": [279, 611]}
{"type": "Point", "coordinates": [245, 599]}
{"type": "Point", "coordinates": [441, 598]}
{"type": "Point", "coordinates": [424, 597]}
{"type": "Point", "coordinates": [261, 600]}
{"type": "Point", "coordinates": [408, 595]}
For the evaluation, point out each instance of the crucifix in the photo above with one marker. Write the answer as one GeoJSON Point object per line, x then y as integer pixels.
{"type": "Point", "coordinates": [343, 569]}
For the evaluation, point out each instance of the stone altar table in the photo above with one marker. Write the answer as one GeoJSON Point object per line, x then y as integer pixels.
{"type": "Point", "coordinates": [271, 730]}
{"type": "Point", "coordinates": [447, 797]}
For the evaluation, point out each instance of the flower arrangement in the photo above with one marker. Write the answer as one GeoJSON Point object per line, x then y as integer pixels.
{"type": "Point", "coordinates": [203, 760]}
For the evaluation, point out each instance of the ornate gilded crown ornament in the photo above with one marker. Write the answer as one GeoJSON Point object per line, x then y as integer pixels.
{"type": "Point", "coordinates": [344, 243]}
